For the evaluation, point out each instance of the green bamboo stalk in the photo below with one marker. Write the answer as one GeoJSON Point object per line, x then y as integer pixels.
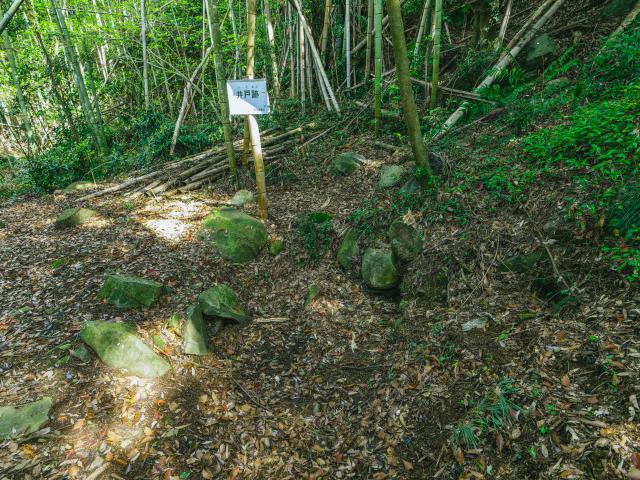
{"type": "Point", "coordinates": [436, 54]}
{"type": "Point", "coordinates": [377, 14]}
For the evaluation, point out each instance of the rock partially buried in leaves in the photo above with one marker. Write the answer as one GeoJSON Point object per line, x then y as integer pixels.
{"type": "Point", "coordinates": [73, 217]}
{"type": "Point", "coordinates": [79, 186]}
{"type": "Point", "coordinates": [379, 270]}
{"type": "Point", "coordinates": [312, 293]}
{"type": "Point", "coordinates": [238, 237]}
{"type": "Point", "coordinates": [391, 175]}
{"type": "Point", "coordinates": [617, 8]}
{"type": "Point", "coordinates": [24, 419]}
{"type": "Point", "coordinates": [276, 247]}
{"type": "Point", "coordinates": [521, 263]}
{"type": "Point", "coordinates": [221, 301]}
{"type": "Point", "coordinates": [349, 251]}
{"type": "Point", "coordinates": [195, 332]}
{"type": "Point", "coordinates": [242, 198]}
{"type": "Point", "coordinates": [406, 241]}
{"type": "Point", "coordinates": [346, 162]}
{"type": "Point", "coordinates": [119, 347]}
{"type": "Point", "coordinates": [540, 50]}
{"type": "Point", "coordinates": [127, 291]}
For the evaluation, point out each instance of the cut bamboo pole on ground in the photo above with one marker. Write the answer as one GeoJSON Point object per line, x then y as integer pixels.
{"type": "Point", "coordinates": [258, 164]}
{"type": "Point", "coordinates": [499, 67]}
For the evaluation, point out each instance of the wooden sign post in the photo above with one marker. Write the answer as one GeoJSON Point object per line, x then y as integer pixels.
{"type": "Point", "coordinates": [249, 98]}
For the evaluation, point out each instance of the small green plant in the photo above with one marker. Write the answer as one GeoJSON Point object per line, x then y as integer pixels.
{"type": "Point", "coordinates": [57, 263]}
{"type": "Point", "coordinates": [129, 205]}
{"type": "Point", "coordinates": [316, 232]}
{"type": "Point", "coordinates": [465, 434]}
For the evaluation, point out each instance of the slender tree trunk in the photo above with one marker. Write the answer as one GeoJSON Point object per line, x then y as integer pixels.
{"type": "Point", "coordinates": [378, 65]}
{"type": "Point", "coordinates": [214, 31]}
{"type": "Point", "coordinates": [404, 82]}
{"type": "Point", "coordinates": [234, 29]}
{"type": "Point", "coordinates": [102, 49]}
{"type": "Point", "coordinates": [505, 24]}
{"type": "Point", "coordinates": [251, 50]}
{"type": "Point", "coordinates": [347, 40]}
{"type": "Point", "coordinates": [301, 65]}
{"type": "Point", "coordinates": [9, 14]}
{"type": "Point", "coordinates": [292, 56]}
{"type": "Point", "coordinates": [22, 102]}
{"type": "Point", "coordinates": [72, 58]}
{"type": "Point", "coordinates": [423, 26]}
{"type": "Point", "coordinates": [272, 51]}
{"type": "Point", "coordinates": [367, 66]}
{"type": "Point", "coordinates": [145, 60]}
{"type": "Point", "coordinates": [324, 38]}
{"type": "Point", "coordinates": [435, 76]}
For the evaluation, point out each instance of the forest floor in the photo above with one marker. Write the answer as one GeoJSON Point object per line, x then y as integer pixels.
{"type": "Point", "coordinates": [354, 386]}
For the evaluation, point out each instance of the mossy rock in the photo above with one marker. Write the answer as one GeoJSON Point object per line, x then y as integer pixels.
{"type": "Point", "coordinates": [128, 291]}
{"type": "Point", "coordinates": [242, 198]}
{"type": "Point", "coordinates": [346, 163]}
{"type": "Point", "coordinates": [539, 51]}
{"type": "Point", "coordinates": [617, 8]}
{"type": "Point", "coordinates": [80, 186]}
{"type": "Point", "coordinates": [349, 251]}
{"type": "Point", "coordinates": [521, 263]}
{"type": "Point", "coordinates": [406, 241]}
{"type": "Point", "coordinates": [24, 419]}
{"type": "Point", "coordinates": [391, 175]}
{"type": "Point", "coordinates": [276, 247]}
{"type": "Point", "coordinates": [72, 217]}
{"type": "Point", "coordinates": [194, 333]}
{"type": "Point", "coordinates": [119, 347]}
{"type": "Point", "coordinates": [238, 237]}
{"type": "Point", "coordinates": [312, 293]}
{"type": "Point", "coordinates": [221, 301]}
{"type": "Point", "coordinates": [379, 270]}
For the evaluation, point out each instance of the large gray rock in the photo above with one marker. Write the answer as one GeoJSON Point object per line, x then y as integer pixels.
{"type": "Point", "coordinates": [406, 241]}
{"type": "Point", "coordinates": [73, 217]}
{"type": "Point", "coordinates": [238, 237]}
{"type": "Point", "coordinates": [127, 291]}
{"type": "Point", "coordinates": [349, 251]}
{"type": "Point", "coordinates": [79, 186]}
{"type": "Point", "coordinates": [221, 301]}
{"type": "Point", "coordinates": [521, 263]}
{"type": "Point", "coordinates": [539, 51]}
{"type": "Point", "coordinates": [241, 198]}
{"type": "Point", "coordinates": [379, 270]}
{"type": "Point", "coordinates": [617, 8]}
{"type": "Point", "coordinates": [346, 162]}
{"type": "Point", "coordinates": [194, 333]}
{"type": "Point", "coordinates": [24, 419]}
{"type": "Point", "coordinates": [119, 347]}
{"type": "Point", "coordinates": [391, 175]}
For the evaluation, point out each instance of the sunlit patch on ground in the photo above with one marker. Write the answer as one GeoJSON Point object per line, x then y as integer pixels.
{"type": "Point", "coordinates": [166, 229]}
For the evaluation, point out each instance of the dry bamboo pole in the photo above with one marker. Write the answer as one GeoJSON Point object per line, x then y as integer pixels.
{"type": "Point", "coordinates": [437, 31]}
{"type": "Point", "coordinates": [505, 24]}
{"type": "Point", "coordinates": [499, 67]}
{"type": "Point", "coordinates": [272, 51]}
{"type": "Point", "coordinates": [527, 24]}
{"type": "Point", "coordinates": [363, 42]}
{"type": "Point", "coordinates": [324, 38]}
{"type": "Point", "coordinates": [369, 38]}
{"type": "Point", "coordinates": [258, 164]}
{"type": "Point", "coordinates": [378, 66]}
{"type": "Point", "coordinates": [251, 50]}
{"type": "Point", "coordinates": [316, 56]}
{"type": "Point", "coordinates": [423, 24]}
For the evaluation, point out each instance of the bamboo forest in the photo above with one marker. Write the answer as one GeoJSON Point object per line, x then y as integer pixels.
{"type": "Point", "coordinates": [319, 239]}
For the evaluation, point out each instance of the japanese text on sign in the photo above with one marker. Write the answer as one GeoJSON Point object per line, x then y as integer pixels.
{"type": "Point", "coordinates": [248, 97]}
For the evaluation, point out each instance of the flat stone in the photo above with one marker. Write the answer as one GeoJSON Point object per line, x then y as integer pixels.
{"type": "Point", "coordinates": [238, 237]}
{"type": "Point", "coordinates": [349, 251]}
{"type": "Point", "coordinates": [406, 241]}
{"type": "Point", "coordinates": [72, 217]}
{"type": "Point", "coordinates": [128, 291]}
{"type": "Point", "coordinates": [119, 347]}
{"type": "Point", "coordinates": [476, 324]}
{"type": "Point", "coordinates": [24, 419]}
{"type": "Point", "coordinates": [222, 301]}
{"type": "Point", "coordinates": [346, 163]}
{"type": "Point", "coordinates": [79, 186]}
{"type": "Point", "coordinates": [194, 333]}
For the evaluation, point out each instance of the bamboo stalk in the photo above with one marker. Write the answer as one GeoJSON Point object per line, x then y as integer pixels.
{"type": "Point", "coordinates": [258, 164]}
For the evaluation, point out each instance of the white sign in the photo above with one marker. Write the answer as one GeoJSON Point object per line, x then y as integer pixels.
{"type": "Point", "coordinates": [248, 97]}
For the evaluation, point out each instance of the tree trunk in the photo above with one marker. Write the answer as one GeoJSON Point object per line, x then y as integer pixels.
{"type": "Point", "coordinates": [378, 66]}
{"type": "Point", "coordinates": [214, 31]}
{"type": "Point", "coordinates": [367, 66]}
{"type": "Point", "coordinates": [423, 25]}
{"type": "Point", "coordinates": [435, 76]}
{"type": "Point", "coordinates": [272, 50]}
{"type": "Point", "coordinates": [328, 6]}
{"type": "Point", "coordinates": [145, 60]}
{"type": "Point", "coordinates": [347, 40]}
{"type": "Point", "coordinates": [72, 58]}
{"type": "Point", "coordinates": [404, 82]}
{"type": "Point", "coordinates": [22, 102]}
{"type": "Point", "coordinates": [251, 49]}
{"type": "Point", "coordinates": [9, 15]}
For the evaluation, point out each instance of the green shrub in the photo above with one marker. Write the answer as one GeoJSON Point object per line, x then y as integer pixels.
{"type": "Point", "coordinates": [316, 232]}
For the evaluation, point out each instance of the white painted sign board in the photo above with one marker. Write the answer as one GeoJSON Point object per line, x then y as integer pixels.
{"type": "Point", "coordinates": [248, 97]}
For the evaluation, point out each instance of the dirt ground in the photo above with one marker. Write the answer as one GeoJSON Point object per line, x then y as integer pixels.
{"type": "Point", "coordinates": [354, 386]}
